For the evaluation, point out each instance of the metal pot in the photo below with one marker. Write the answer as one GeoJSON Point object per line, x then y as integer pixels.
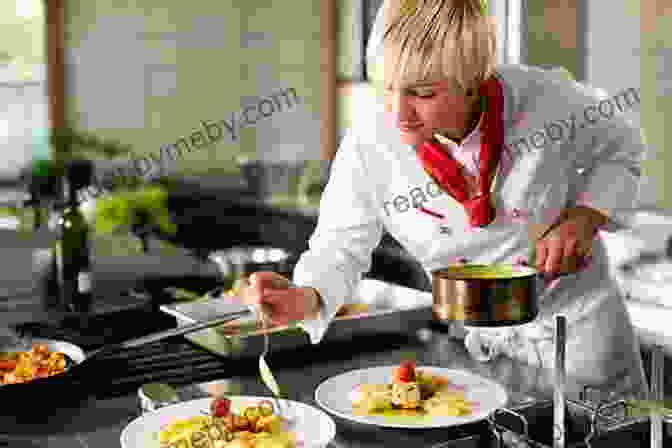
{"type": "Point", "coordinates": [246, 260]}
{"type": "Point", "coordinates": [486, 295]}
{"type": "Point", "coordinates": [266, 177]}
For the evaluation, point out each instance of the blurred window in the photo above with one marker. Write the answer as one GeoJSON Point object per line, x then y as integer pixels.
{"type": "Point", "coordinates": [23, 95]}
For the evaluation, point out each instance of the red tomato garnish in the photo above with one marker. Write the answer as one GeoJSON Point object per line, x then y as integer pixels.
{"type": "Point", "coordinates": [406, 371]}
{"type": "Point", "coordinates": [220, 407]}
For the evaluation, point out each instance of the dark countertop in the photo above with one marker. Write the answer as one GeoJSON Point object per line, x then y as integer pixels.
{"type": "Point", "coordinates": [114, 275]}
{"type": "Point", "coordinates": [99, 422]}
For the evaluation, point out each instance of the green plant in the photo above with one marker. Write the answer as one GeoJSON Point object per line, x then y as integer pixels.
{"type": "Point", "coordinates": [118, 211]}
{"type": "Point", "coordinates": [24, 216]}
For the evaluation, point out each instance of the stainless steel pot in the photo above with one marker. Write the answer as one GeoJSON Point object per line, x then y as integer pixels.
{"type": "Point", "coordinates": [246, 260]}
{"type": "Point", "coordinates": [266, 177]}
{"type": "Point", "coordinates": [486, 295]}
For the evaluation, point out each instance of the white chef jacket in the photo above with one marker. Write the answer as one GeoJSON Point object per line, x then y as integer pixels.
{"type": "Point", "coordinates": [377, 183]}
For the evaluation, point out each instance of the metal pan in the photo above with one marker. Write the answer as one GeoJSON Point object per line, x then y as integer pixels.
{"type": "Point", "coordinates": [64, 389]}
{"type": "Point", "coordinates": [391, 310]}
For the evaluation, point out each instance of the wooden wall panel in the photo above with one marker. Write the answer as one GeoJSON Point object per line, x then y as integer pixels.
{"type": "Point", "coordinates": [54, 16]}
{"type": "Point", "coordinates": [328, 117]}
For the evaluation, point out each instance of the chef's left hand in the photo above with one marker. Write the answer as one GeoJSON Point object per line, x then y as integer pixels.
{"type": "Point", "coordinates": [566, 248]}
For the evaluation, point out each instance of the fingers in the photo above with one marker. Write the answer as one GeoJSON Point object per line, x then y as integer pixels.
{"type": "Point", "coordinates": [570, 257]}
{"type": "Point", "coordinates": [541, 256]}
{"type": "Point", "coordinates": [260, 282]}
{"type": "Point", "coordinates": [285, 305]}
{"type": "Point", "coordinates": [272, 293]}
{"type": "Point", "coordinates": [557, 256]}
{"type": "Point", "coordinates": [554, 257]}
{"type": "Point", "coordinates": [247, 293]}
{"type": "Point", "coordinates": [275, 296]}
{"type": "Point", "coordinates": [268, 279]}
{"type": "Point", "coordinates": [252, 287]}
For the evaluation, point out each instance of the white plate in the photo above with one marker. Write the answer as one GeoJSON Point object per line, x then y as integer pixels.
{"type": "Point", "coordinates": [333, 396]}
{"type": "Point", "coordinates": [313, 428]}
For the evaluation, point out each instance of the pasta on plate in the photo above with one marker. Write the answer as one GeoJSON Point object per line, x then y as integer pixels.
{"type": "Point", "coordinates": [411, 392]}
{"type": "Point", "coordinates": [255, 427]}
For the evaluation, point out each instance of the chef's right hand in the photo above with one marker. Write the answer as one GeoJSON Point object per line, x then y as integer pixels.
{"type": "Point", "coordinates": [282, 303]}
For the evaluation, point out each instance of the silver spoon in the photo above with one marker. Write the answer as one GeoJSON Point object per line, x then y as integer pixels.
{"type": "Point", "coordinates": [264, 370]}
{"type": "Point", "coordinates": [267, 376]}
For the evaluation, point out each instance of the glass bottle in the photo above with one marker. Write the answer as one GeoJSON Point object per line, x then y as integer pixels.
{"type": "Point", "coordinates": [73, 251]}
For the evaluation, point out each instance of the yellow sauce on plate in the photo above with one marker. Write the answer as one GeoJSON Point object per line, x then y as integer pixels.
{"type": "Point", "coordinates": [404, 416]}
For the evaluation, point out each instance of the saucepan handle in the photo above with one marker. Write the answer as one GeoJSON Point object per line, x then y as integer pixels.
{"type": "Point", "coordinates": [542, 280]}
{"type": "Point", "coordinates": [540, 284]}
{"type": "Point", "coordinates": [540, 277]}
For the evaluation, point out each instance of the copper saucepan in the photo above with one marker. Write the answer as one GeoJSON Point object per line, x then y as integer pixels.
{"type": "Point", "coordinates": [487, 295]}
{"type": "Point", "coordinates": [503, 295]}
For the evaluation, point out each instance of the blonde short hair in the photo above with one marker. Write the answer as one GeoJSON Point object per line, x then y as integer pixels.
{"type": "Point", "coordinates": [429, 40]}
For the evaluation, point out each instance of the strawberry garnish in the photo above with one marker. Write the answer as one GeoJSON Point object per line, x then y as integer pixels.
{"type": "Point", "coordinates": [406, 372]}
{"type": "Point", "coordinates": [220, 407]}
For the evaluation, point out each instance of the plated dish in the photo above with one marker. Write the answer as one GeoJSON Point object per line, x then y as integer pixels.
{"type": "Point", "coordinates": [255, 425]}
{"type": "Point", "coordinates": [26, 366]}
{"type": "Point", "coordinates": [182, 426]}
{"type": "Point", "coordinates": [411, 392]}
{"type": "Point", "coordinates": [234, 422]}
{"type": "Point", "coordinates": [384, 396]}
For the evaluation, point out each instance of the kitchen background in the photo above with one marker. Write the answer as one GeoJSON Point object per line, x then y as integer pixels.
{"type": "Point", "coordinates": [145, 74]}
{"type": "Point", "coordinates": [232, 56]}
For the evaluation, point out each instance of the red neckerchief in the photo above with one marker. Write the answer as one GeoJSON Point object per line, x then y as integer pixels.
{"type": "Point", "coordinates": [447, 173]}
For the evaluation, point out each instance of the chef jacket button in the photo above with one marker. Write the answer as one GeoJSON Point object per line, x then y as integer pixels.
{"type": "Point", "coordinates": [445, 230]}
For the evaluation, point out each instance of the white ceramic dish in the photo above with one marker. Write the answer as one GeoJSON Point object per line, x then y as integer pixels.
{"type": "Point", "coordinates": [313, 428]}
{"type": "Point", "coordinates": [332, 395]}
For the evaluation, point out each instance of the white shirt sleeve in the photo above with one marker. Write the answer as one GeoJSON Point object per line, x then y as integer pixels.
{"type": "Point", "coordinates": [610, 160]}
{"type": "Point", "coordinates": [348, 229]}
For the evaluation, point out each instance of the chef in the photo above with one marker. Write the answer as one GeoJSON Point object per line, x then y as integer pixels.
{"type": "Point", "coordinates": [468, 160]}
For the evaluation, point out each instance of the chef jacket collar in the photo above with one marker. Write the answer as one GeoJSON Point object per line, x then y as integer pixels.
{"type": "Point", "coordinates": [471, 142]}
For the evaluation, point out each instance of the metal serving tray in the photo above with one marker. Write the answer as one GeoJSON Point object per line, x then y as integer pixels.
{"type": "Point", "coordinates": [392, 309]}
